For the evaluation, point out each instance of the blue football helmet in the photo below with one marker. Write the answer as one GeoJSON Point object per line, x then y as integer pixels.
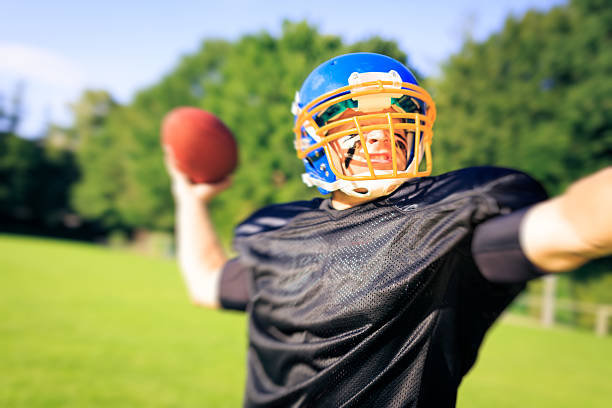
{"type": "Point", "coordinates": [346, 100]}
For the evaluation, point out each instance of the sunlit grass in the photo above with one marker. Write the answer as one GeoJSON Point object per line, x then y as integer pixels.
{"type": "Point", "coordinates": [84, 326]}
{"type": "Point", "coordinates": [527, 366]}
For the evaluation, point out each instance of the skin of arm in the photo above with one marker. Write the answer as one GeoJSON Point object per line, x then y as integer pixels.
{"type": "Point", "coordinates": [200, 254]}
{"type": "Point", "coordinates": [565, 232]}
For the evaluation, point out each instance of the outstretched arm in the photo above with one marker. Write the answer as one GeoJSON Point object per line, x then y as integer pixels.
{"type": "Point", "coordinates": [565, 232]}
{"type": "Point", "coordinates": [200, 255]}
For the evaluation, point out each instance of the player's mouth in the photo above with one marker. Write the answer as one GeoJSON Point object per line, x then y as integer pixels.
{"type": "Point", "coordinates": [379, 161]}
{"type": "Point", "coordinates": [381, 158]}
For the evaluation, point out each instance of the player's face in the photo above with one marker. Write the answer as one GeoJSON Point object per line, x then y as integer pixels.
{"type": "Point", "coordinates": [349, 153]}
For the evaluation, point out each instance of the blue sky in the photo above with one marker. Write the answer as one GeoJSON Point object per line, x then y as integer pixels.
{"type": "Point", "coordinates": [58, 48]}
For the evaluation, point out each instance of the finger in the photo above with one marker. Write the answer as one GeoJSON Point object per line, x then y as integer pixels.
{"type": "Point", "coordinates": [170, 161]}
{"type": "Point", "coordinates": [212, 189]}
{"type": "Point", "coordinates": [169, 156]}
{"type": "Point", "coordinates": [224, 184]}
{"type": "Point", "coordinates": [219, 185]}
{"type": "Point", "coordinates": [176, 175]}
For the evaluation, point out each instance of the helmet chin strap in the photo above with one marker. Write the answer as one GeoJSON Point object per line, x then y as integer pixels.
{"type": "Point", "coordinates": [361, 188]}
{"type": "Point", "coordinates": [371, 188]}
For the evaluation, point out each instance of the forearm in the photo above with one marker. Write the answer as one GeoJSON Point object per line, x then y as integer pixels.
{"type": "Point", "coordinates": [200, 255]}
{"type": "Point", "coordinates": [565, 232]}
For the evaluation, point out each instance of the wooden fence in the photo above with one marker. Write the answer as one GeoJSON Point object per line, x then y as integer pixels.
{"type": "Point", "coordinates": [548, 306]}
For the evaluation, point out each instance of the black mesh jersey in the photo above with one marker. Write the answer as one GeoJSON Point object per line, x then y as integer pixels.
{"type": "Point", "coordinates": [377, 305]}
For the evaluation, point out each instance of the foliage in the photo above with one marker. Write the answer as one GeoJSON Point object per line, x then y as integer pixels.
{"type": "Point", "coordinates": [250, 85]}
{"type": "Point", "coordinates": [535, 96]}
{"type": "Point", "coordinates": [35, 177]}
{"type": "Point", "coordinates": [34, 181]}
{"type": "Point", "coordinates": [592, 284]}
{"type": "Point", "coordinates": [95, 145]}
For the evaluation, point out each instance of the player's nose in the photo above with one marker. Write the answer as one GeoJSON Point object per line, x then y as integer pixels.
{"type": "Point", "coordinates": [377, 136]}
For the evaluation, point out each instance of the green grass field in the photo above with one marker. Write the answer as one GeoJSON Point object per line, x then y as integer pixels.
{"type": "Point", "coordinates": [84, 326]}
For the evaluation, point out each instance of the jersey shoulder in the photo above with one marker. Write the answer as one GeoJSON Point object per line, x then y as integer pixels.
{"type": "Point", "coordinates": [506, 186]}
{"type": "Point", "coordinates": [274, 217]}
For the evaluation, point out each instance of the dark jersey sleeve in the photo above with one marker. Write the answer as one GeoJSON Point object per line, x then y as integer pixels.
{"type": "Point", "coordinates": [506, 191]}
{"type": "Point", "coordinates": [497, 251]}
{"type": "Point", "coordinates": [495, 245]}
{"type": "Point", "coordinates": [234, 285]}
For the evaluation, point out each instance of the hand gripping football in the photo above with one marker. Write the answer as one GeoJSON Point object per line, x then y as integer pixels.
{"type": "Point", "coordinates": [204, 148]}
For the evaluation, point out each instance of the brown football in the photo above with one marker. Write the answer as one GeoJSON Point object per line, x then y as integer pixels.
{"type": "Point", "coordinates": [203, 147]}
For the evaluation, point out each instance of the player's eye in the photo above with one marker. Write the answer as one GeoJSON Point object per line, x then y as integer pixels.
{"type": "Point", "coordinates": [400, 141]}
{"type": "Point", "coordinates": [347, 142]}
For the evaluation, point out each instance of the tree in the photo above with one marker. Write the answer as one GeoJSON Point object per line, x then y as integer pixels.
{"type": "Point", "coordinates": [34, 178]}
{"type": "Point", "coordinates": [250, 85]}
{"type": "Point", "coordinates": [535, 96]}
{"type": "Point", "coordinates": [100, 156]}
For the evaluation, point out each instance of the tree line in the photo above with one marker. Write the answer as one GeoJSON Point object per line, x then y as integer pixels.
{"type": "Point", "coordinates": [534, 96]}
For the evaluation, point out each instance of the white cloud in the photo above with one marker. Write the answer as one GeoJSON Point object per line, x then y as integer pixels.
{"type": "Point", "coordinates": [39, 65]}
{"type": "Point", "coordinates": [51, 81]}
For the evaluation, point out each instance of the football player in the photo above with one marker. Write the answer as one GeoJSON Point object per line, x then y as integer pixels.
{"type": "Point", "coordinates": [380, 294]}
